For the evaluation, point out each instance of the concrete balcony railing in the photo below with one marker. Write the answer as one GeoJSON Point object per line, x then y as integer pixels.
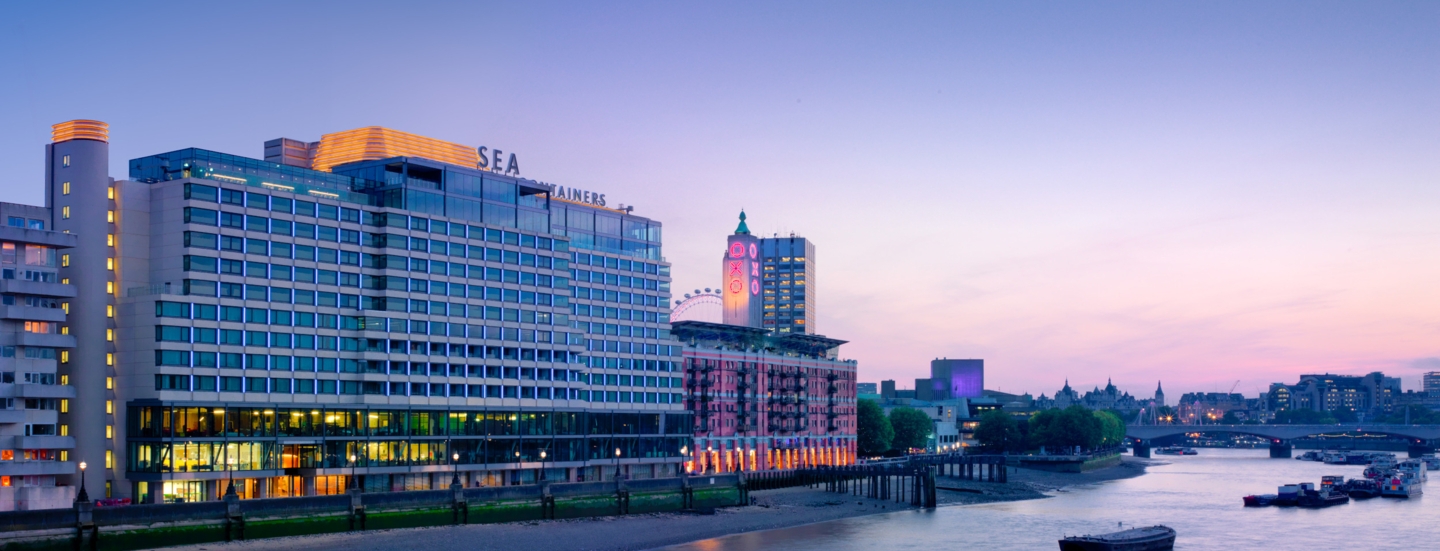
{"type": "Point", "coordinates": [31, 313]}
{"type": "Point", "coordinates": [38, 288]}
{"type": "Point", "coordinates": [40, 340]}
{"type": "Point", "coordinates": [44, 443]}
{"type": "Point", "coordinates": [11, 416]}
{"type": "Point", "coordinates": [36, 468]}
{"type": "Point", "coordinates": [44, 391]}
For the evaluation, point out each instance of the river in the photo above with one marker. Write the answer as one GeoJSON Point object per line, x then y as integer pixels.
{"type": "Point", "coordinates": [1199, 496]}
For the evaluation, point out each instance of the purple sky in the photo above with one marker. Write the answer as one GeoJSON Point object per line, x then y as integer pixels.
{"type": "Point", "coordinates": [1195, 192]}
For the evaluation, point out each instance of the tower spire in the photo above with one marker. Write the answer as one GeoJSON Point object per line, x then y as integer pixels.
{"type": "Point", "coordinates": [742, 229]}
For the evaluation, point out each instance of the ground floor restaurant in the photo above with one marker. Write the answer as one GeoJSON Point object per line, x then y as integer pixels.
{"type": "Point", "coordinates": [725, 455]}
{"type": "Point", "coordinates": [210, 489]}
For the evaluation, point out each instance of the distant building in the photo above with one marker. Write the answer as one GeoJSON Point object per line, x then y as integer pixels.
{"type": "Point", "coordinates": [1159, 396]}
{"type": "Point", "coordinates": [1109, 397]}
{"type": "Point", "coordinates": [1209, 407]}
{"type": "Point", "coordinates": [887, 389]}
{"type": "Point", "coordinates": [1431, 383]}
{"type": "Point", "coordinates": [769, 283]}
{"type": "Point", "coordinates": [952, 379]}
{"type": "Point", "coordinates": [1372, 395]}
{"type": "Point", "coordinates": [866, 388]}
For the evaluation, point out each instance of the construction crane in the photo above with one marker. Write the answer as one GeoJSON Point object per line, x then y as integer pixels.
{"type": "Point", "coordinates": [1232, 387]}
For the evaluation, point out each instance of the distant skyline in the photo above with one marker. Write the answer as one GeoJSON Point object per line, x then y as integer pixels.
{"type": "Point", "coordinates": [1196, 193]}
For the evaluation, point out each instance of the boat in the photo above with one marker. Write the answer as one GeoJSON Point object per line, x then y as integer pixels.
{"type": "Point", "coordinates": [1261, 500]}
{"type": "Point", "coordinates": [1176, 450]}
{"type": "Point", "coordinates": [1334, 458]}
{"type": "Point", "coordinates": [1357, 458]}
{"type": "Point", "coordinates": [1399, 486]}
{"type": "Point", "coordinates": [1311, 455]}
{"type": "Point", "coordinates": [1414, 469]}
{"type": "Point", "coordinates": [1312, 498]}
{"type": "Point", "coordinates": [1362, 488]}
{"type": "Point", "coordinates": [1332, 483]}
{"type": "Point", "coordinates": [1153, 538]}
{"type": "Point", "coordinates": [1432, 463]}
{"type": "Point", "coordinates": [1288, 495]}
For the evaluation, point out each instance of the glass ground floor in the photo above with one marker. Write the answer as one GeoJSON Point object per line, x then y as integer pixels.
{"type": "Point", "coordinates": [249, 486]}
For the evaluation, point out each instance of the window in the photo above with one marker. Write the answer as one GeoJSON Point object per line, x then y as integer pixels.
{"type": "Point", "coordinates": [65, 188]}
{"type": "Point", "coordinates": [110, 216]}
{"type": "Point", "coordinates": [65, 212]}
{"type": "Point", "coordinates": [65, 161]}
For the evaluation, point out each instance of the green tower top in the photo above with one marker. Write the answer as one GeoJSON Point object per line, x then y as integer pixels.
{"type": "Point", "coordinates": [742, 229]}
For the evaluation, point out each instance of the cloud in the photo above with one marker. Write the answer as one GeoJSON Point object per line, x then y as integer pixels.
{"type": "Point", "coordinates": [1426, 364]}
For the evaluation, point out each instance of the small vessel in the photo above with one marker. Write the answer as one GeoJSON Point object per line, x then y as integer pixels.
{"type": "Point", "coordinates": [1357, 458]}
{"type": "Point", "coordinates": [1176, 450]}
{"type": "Point", "coordinates": [1362, 488]}
{"type": "Point", "coordinates": [1413, 468]}
{"type": "Point", "coordinates": [1399, 486]}
{"type": "Point", "coordinates": [1311, 455]}
{"type": "Point", "coordinates": [1432, 463]}
{"type": "Point", "coordinates": [1332, 483]}
{"type": "Point", "coordinates": [1153, 538]}
{"type": "Point", "coordinates": [1261, 500]}
{"type": "Point", "coordinates": [1334, 458]}
{"type": "Point", "coordinates": [1288, 495]}
{"type": "Point", "coordinates": [1312, 498]}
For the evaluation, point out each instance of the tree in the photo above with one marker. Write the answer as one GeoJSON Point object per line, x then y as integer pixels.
{"type": "Point", "coordinates": [873, 431]}
{"type": "Point", "coordinates": [1229, 419]}
{"type": "Point", "coordinates": [1345, 416]}
{"type": "Point", "coordinates": [1112, 429]}
{"type": "Point", "coordinates": [998, 433]}
{"type": "Point", "coordinates": [1419, 415]}
{"type": "Point", "coordinates": [912, 428]}
{"type": "Point", "coordinates": [1067, 428]}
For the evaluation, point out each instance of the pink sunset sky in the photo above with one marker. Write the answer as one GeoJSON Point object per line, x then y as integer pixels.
{"type": "Point", "coordinates": [1199, 193]}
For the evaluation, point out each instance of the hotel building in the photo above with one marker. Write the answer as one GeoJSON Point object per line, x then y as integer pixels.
{"type": "Point", "coordinates": [376, 309]}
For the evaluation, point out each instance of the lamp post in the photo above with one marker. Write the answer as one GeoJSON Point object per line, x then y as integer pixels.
{"type": "Point", "coordinates": [354, 482]}
{"type": "Point", "coordinates": [82, 496]}
{"type": "Point", "coordinates": [684, 451]}
{"type": "Point", "coordinates": [542, 464]}
{"type": "Point", "coordinates": [617, 463]}
{"type": "Point", "coordinates": [455, 468]}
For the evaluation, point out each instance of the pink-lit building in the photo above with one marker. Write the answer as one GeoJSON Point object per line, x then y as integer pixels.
{"type": "Point", "coordinates": [763, 401]}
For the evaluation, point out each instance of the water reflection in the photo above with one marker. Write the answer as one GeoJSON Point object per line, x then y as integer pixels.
{"type": "Point", "coordinates": [1197, 495]}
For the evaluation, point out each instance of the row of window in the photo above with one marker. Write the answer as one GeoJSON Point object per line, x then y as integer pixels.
{"type": "Point", "coordinates": [284, 249]}
{"type": "Point", "coordinates": [268, 385]}
{"type": "Point", "coordinates": [285, 205]}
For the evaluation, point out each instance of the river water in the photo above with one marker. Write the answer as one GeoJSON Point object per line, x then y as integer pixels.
{"type": "Point", "coordinates": [1199, 496]}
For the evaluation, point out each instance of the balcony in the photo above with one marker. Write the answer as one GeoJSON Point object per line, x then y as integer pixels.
{"type": "Point", "coordinates": [8, 416]}
{"type": "Point", "coordinates": [38, 288]}
{"type": "Point", "coordinates": [36, 468]}
{"type": "Point", "coordinates": [44, 443]}
{"type": "Point", "coordinates": [31, 313]}
{"type": "Point", "coordinates": [40, 340]}
{"type": "Point", "coordinates": [44, 391]}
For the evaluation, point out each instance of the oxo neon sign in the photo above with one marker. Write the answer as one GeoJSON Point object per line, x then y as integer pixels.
{"type": "Point", "coordinates": [735, 271]}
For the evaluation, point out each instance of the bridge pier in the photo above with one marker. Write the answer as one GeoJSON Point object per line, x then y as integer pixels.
{"type": "Point", "coordinates": [1280, 449]}
{"type": "Point", "coordinates": [1141, 448]}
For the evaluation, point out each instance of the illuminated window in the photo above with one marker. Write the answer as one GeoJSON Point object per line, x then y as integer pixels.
{"type": "Point", "coordinates": [65, 281]}
{"type": "Point", "coordinates": [64, 261]}
{"type": "Point", "coordinates": [109, 240]}
{"type": "Point", "coordinates": [65, 161]}
{"type": "Point", "coordinates": [109, 310]}
{"type": "Point", "coordinates": [109, 431]}
{"type": "Point", "coordinates": [110, 407]}
{"type": "Point", "coordinates": [65, 188]}
{"type": "Point", "coordinates": [64, 379]}
{"type": "Point", "coordinates": [110, 216]}
{"type": "Point", "coordinates": [64, 406]}
{"type": "Point", "coordinates": [65, 306]}
{"type": "Point", "coordinates": [64, 431]}
{"type": "Point", "coordinates": [110, 287]}
{"type": "Point", "coordinates": [109, 383]}
{"type": "Point", "coordinates": [109, 459]}
{"type": "Point", "coordinates": [65, 212]}
{"type": "Point", "coordinates": [110, 335]}
{"type": "Point", "coordinates": [109, 263]}
{"type": "Point", "coordinates": [65, 330]}
{"type": "Point", "coordinates": [109, 359]}
{"type": "Point", "coordinates": [110, 192]}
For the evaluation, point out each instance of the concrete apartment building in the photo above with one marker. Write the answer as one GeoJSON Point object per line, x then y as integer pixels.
{"type": "Point", "coordinates": [35, 447]}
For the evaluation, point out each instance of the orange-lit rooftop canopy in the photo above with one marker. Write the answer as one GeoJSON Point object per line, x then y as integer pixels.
{"type": "Point", "coordinates": [80, 129]}
{"type": "Point", "coordinates": [374, 142]}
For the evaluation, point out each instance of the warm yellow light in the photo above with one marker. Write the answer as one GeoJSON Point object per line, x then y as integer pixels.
{"type": "Point", "coordinates": [80, 129]}
{"type": "Point", "coordinates": [231, 179]}
{"type": "Point", "coordinates": [374, 142]}
{"type": "Point", "coordinates": [277, 186]}
{"type": "Point", "coordinates": [110, 216]}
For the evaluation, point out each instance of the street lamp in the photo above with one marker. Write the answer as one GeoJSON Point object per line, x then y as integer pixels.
{"type": "Point", "coordinates": [455, 468]}
{"type": "Point", "coordinates": [684, 451]}
{"type": "Point", "coordinates": [617, 463]}
{"type": "Point", "coordinates": [353, 480]}
{"type": "Point", "coordinates": [542, 464]}
{"type": "Point", "coordinates": [82, 496]}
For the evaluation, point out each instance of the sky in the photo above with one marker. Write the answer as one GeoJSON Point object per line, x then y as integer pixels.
{"type": "Point", "coordinates": [1214, 195]}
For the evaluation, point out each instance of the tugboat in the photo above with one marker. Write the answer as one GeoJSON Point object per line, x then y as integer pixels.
{"type": "Point", "coordinates": [1154, 538]}
{"type": "Point", "coordinates": [1432, 463]}
{"type": "Point", "coordinates": [1261, 500]}
{"type": "Point", "coordinates": [1311, 498]}
{"type": "Point", "coordinates": [1362, 488]}
{"type": "Point", "coordinates": [1289, 495]}
{"type": "Point", "coordinates": [1311, 455]}
{"type": "Point", "coordinates": [1334, 458]}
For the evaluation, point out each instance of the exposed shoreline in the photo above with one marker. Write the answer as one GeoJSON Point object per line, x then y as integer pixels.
{"type": "Point", "coordinates": [773, 509]}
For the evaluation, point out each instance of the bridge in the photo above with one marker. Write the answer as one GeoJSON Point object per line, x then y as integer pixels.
{"type": "Point", "coordinates": [1422, 436]}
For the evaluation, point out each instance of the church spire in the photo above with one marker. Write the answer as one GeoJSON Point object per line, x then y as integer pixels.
{"type": "Point", "coordinates": [742, 229]}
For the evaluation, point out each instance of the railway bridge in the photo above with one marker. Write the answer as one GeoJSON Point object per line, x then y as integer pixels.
{"type": "Point", "coordinates": [1422, 437]}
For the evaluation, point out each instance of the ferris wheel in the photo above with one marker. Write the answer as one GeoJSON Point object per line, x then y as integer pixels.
{"type": "Point", "coordinates": [706, 306]}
